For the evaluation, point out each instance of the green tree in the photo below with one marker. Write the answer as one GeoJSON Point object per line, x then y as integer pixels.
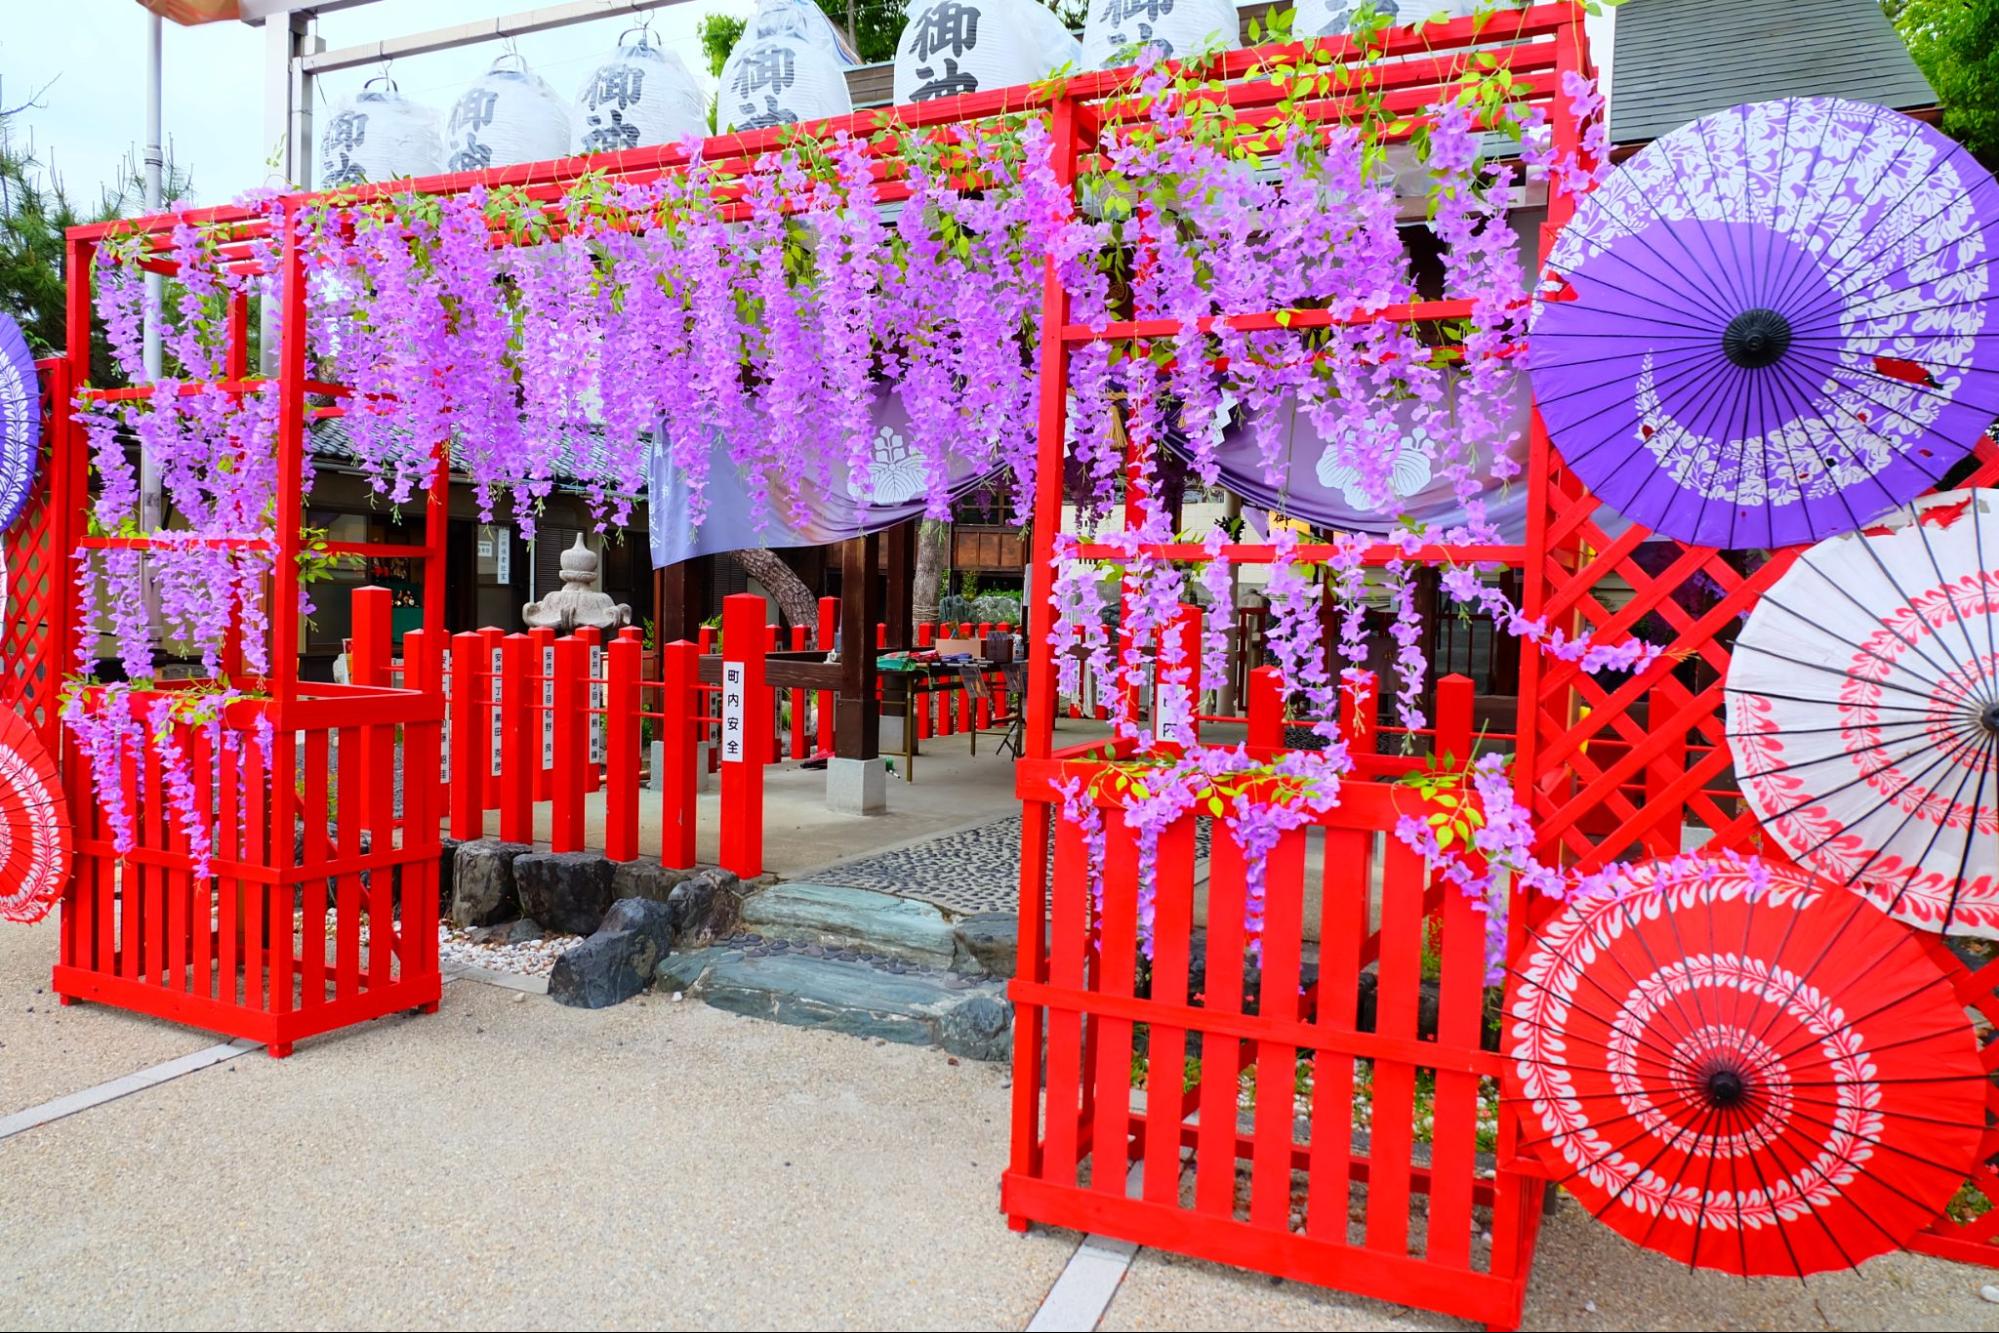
{"type": "Point", "coordinates": [1956, 44]}
{"type": "Point", "coordinates": [719, 33]}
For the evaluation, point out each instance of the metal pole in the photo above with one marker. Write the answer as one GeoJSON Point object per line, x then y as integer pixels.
{"type": "Point", "coordinates": [151, 166]}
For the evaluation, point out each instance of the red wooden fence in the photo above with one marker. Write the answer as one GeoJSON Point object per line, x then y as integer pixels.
{"type": "Point", "coordinates": [1312, 1182]}
{"type": "Point", "coordinates": [320, 905]}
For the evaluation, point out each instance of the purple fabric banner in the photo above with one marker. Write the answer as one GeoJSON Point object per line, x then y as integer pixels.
{"type": "Point", "coordinates": [834, 507]}
{"type": "Point", "coordinates": [1313, 487]}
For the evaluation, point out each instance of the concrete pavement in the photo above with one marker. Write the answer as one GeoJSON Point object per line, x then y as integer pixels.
{"type": "Point", "coordinates": [511, 1163]}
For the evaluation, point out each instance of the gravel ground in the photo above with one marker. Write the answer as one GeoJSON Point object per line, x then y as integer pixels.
{"type": "Point", "coordinates": [47, 1049]}
{"type": "Point", "coordinates": [515, 1164]}
{"type": "Point", "coordinates": [1585, 1277]}
{"type": "Point", "coordinates": [511, 1163]}
{"type": "Point", "coordinates": [532, 958]}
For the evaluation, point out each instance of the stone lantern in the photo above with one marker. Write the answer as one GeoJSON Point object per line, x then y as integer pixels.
{"type": "Point", "coordinates": [577, 603]}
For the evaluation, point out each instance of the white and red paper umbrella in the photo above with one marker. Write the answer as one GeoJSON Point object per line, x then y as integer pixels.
{"type": "Point", "coordinates": [1744, 1068]}
{"type": "Point", "coordinates": [1863, 712]}
{"type": "Point", "coordinates": [35, 854]}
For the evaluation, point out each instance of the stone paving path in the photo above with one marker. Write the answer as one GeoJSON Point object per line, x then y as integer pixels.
{"type": "Point", "coordinates": [967, 871]}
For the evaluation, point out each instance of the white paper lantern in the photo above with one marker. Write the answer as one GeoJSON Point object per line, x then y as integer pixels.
{"type": "Point", "coordinates": [961, 46]}
{"type": "Point", "coordinates": [641, 95]}
{"type": "Point", "coordinates": [508, 115]}
{"type": "Point", "coordinates": [1334, 18]}
{"type": "Point", "coordinates": [798, 20]}
{"type": "Point", "coordinates": [1176, 27]}
{"type": "Point", "coordinates": [780, 81]}
{"type": "Point", "coordinates": [378, 135]}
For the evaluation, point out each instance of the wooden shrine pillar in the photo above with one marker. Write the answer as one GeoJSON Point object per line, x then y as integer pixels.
{"type": "Point", "coordinates": [678, 599]}
{"type": "Point", "coordinates": [857, 726]}
{"type": "Point", "coordinates": [901, 584]}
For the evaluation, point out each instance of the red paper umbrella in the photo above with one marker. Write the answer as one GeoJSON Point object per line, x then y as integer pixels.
{"type": "Point", "coordinates": [34, 824]}
{"type": "Point", "coordinates": [1744, 1068]}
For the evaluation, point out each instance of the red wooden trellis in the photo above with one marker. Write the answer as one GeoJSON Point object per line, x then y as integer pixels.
{"type": "Point", "coordinates": [1611, 771]}
{"type": "Point", "coordinates": [1303, 1171]}
{"type": "Point", "coordinates": [31, 666]}
{"type": "Point", "coordinates": [1626, 771]}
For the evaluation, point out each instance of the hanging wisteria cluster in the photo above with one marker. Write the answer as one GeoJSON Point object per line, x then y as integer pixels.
{"type": "Point", "coordinates": [768, 311]}
{"type": "Point", "coordinates": [212, 442]}
{"type": "Point", "coordinates": [1193, 219]}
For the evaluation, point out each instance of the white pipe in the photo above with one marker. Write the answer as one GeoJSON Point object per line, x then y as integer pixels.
{"type": "Point", "coordinates": [480, 30]}
{"type": "Point", "coordinates": [153, 165]}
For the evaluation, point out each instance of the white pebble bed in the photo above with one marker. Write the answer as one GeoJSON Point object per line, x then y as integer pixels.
{"type": "Point", "coordinates": [536, 958]}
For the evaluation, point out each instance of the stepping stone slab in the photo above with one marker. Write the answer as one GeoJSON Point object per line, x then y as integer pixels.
{"type": "Point", "coordinates": [841, 917]}
{"type": "Point", "coordinates": [989, 943]}
{"type": "Point", "coordinates": [913, 1008]}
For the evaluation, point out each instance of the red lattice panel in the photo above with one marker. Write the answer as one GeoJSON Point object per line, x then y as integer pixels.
{"type": "Point", "coordinates": [1621, 771]}
{"type": "Point", "coordinates": [30, 677]}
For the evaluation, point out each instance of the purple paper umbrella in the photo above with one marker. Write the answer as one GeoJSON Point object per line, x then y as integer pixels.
{"type": "Point", "coordinates": [1773, 324]}
{"type": "Point", "coordinates": [20, 422]}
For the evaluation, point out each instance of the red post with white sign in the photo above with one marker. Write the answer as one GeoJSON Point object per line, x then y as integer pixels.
{"type": "Point", "coordinates": [746, 719]}
{"type": "Point", "coordinates": [680, 671]}
{"type": "Point", "coordinates": [621, 748]}
{"type": "Point", "coordinates": [570, 701]}
{"type": "Point", "coordinates": [516, 794]}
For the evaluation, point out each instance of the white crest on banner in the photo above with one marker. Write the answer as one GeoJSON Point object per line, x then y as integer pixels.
{"type": "Point", "coordinates": [1408, 474]}
{"type": "Point", "coordinates": [895, 472]}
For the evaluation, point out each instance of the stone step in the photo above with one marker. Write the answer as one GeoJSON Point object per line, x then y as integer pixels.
{"type": "Point", "coordinates": [838, 917]}
{"type": "Point", "coordinates": [804, 986]}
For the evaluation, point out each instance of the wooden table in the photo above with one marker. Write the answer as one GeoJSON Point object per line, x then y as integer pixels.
{"type": "Point", "coordinates": [902, 689]}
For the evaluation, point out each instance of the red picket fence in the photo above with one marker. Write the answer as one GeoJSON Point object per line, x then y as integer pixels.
{"type": "Point", "coordinates": [533, 719]}
{"type": "Point", "coordinates": [319, 908]}
{"type": "Point", "coordinates": [1313, 1183]}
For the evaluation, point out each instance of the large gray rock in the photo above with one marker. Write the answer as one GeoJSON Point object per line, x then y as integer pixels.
{"type": "Point", "coordinates": [978, 1028]}
{"type": "Point", "coordinates": [619, 960]}
{"type": "Point", "coordinates": [447, 856]}
{"type": "Point", "coordinates": [988, 943]}
{"type": "Point", "coordinates": [483, 892]}
{"type": "Point", "coordinates": [609, 967]}
{"type": "Point", "coordinates": [565, 891]}
{"type": "Point", "coordinates": [644, 878]}
{"type": "Point", "coordinates": [706, 905]}
{"type": "Point", "coordinates": [642, 916]}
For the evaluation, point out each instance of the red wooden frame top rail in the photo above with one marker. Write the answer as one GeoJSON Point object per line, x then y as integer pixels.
{"type": "Point", "coordinates": [1405, 67]}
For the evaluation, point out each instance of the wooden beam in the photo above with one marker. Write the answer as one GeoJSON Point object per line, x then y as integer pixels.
{"type": "Point", "coordinates": [857, 722]}
{"type": "Point", "coordinates": [677, 601]}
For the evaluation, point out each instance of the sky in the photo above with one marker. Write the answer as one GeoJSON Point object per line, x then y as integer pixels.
{"type": "Point", "coordinates": [87, 61]}
{"type": "Point", "coordinates": [83, 61]}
